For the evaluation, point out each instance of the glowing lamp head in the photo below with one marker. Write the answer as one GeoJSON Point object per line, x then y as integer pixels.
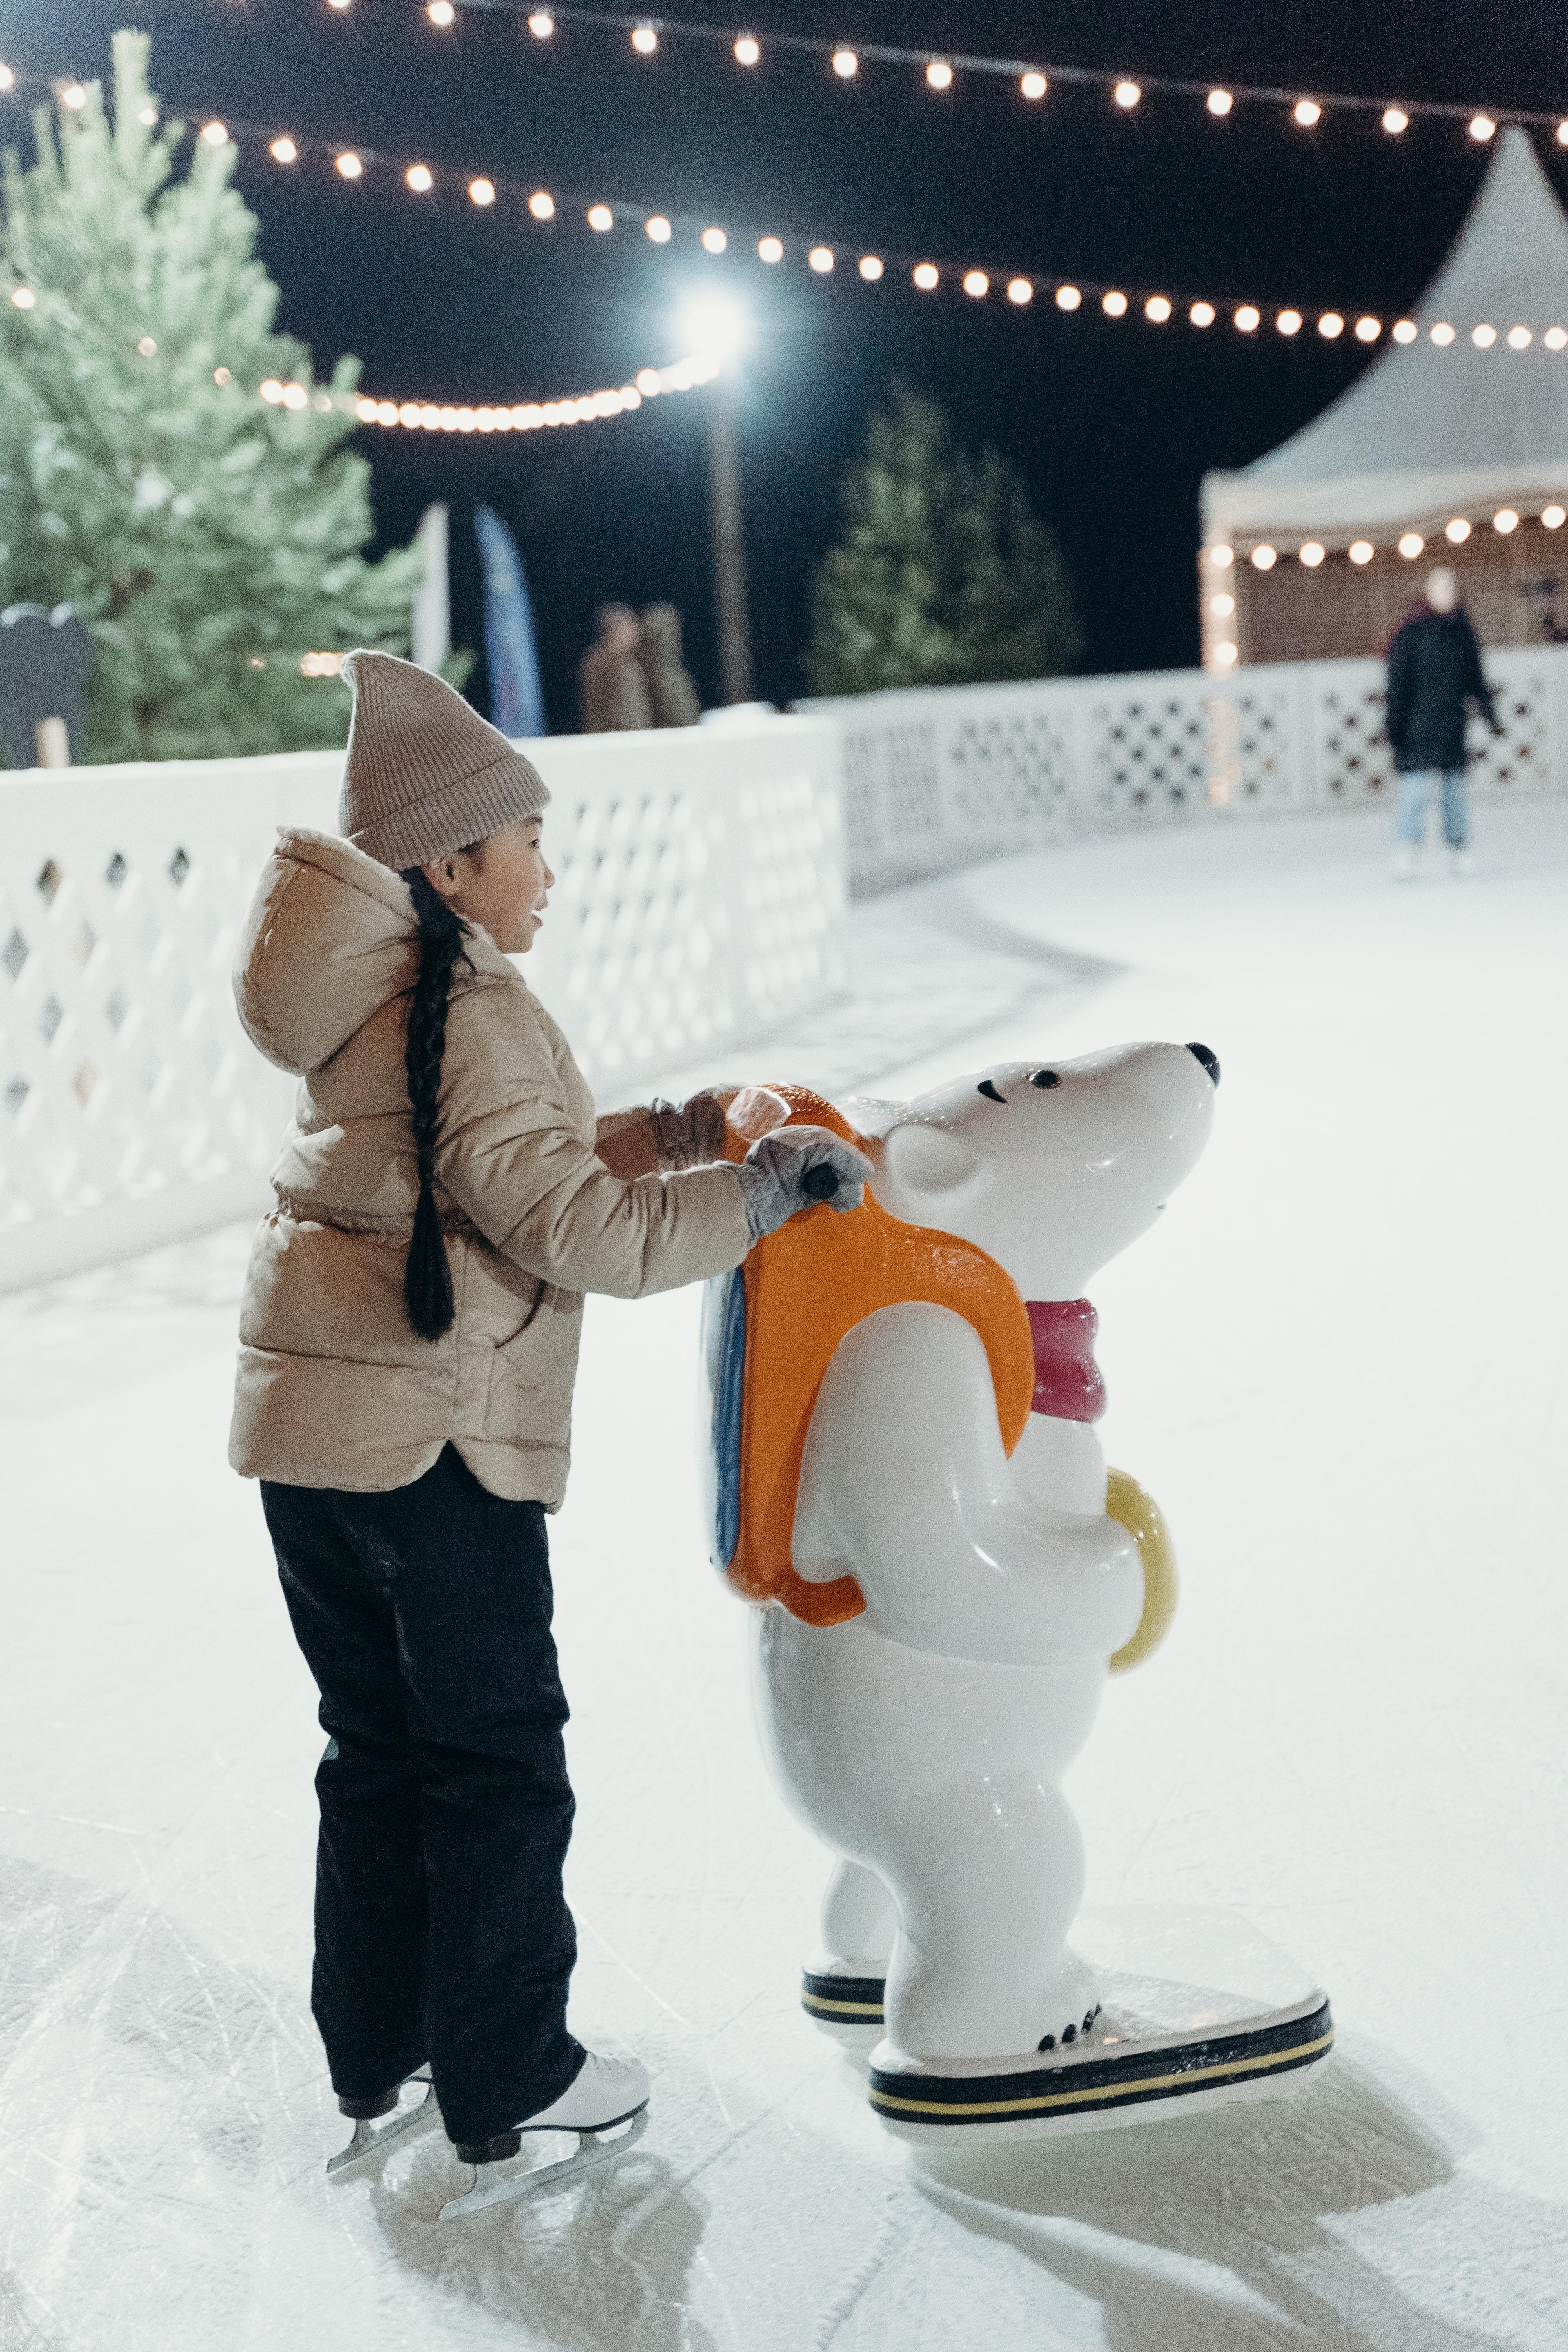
{"type": "Point", "coordinates": [715, 327]}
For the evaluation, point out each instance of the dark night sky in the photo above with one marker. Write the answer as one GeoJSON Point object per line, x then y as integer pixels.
{"type": "Point", "coordinates": [1113, 425]}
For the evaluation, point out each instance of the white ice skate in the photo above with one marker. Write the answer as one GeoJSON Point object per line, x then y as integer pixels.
{"type": "Point", "coordinates": [408, 2107]}
{"type": "Point", "coordinates": [607, 2107]}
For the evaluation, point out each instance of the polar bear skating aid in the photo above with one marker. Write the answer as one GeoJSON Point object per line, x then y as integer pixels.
{"type": "Point", "coordinates": [904, 1476]}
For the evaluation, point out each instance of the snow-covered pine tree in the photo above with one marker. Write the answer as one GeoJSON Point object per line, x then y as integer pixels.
{"type": "Point", "coordinates": [208, 539]}
{"type": "Point", "coordinates": [943, 577]}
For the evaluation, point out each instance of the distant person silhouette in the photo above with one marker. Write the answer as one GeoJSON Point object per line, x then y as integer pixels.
{"type": "Point", "coordinates": [611, 688]}
{"type": "Point", "coordinates": [676, 701]}
{"type": "Point", "coordinates": [1434, 675]}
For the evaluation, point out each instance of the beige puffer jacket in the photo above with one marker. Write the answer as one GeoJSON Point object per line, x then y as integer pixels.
{"type": "Point", "coordinates": [538, 1203]}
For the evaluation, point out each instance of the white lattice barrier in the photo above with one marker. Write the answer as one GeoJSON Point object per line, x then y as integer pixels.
{"type": "Point", "coordinates": [700, 899]}
{"type": "Point", "coordinates": [936, 776]}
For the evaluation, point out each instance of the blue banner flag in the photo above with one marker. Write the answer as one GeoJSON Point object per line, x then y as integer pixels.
{"type": "Point", "coordinates": [517, 699]}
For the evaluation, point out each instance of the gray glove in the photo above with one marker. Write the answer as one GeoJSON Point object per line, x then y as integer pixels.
{"type": "Point", "coordinates": [773, 1175]}
{"type": "Point", "coordinates": [690, 1134]}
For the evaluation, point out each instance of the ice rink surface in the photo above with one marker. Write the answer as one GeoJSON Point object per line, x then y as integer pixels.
{"type": "Point", "coordinates": [1338, 1362]}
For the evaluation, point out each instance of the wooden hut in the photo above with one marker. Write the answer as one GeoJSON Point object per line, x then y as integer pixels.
{"type": "Point", "coordinates": [1452, 447]}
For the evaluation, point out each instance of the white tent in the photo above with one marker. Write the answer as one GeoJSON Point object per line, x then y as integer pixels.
{"type": "Point", "coordinates": [1432, 429]}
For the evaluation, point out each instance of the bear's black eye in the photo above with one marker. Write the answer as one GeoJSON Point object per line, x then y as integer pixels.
{"type": "Point", "coordinates": [989, 1091]}
{"type": "Point", "coordinates": [1046, 1079]}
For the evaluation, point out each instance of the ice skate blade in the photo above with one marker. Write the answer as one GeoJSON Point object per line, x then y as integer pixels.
{"type": "Point", "coordinates": [849, 2009]}
{"type": "Point", "coordinates": [372, 2140]}
{"type": "Point", "coordinates": [1107, 2082]}
{"type": "Point", "coordinates": [593, 2149]}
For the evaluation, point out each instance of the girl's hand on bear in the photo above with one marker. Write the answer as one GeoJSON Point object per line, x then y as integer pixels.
{"type": "Point", "coordinates": [774, 1171]}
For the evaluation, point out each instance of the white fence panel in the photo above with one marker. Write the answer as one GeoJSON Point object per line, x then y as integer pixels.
{"type": "Point", "coordinates": [700, 900]}
{"type": "Point", "coordinates": [935, 776]}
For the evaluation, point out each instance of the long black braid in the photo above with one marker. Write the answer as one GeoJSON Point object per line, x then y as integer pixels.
{"type": "Point", "coordinates": [428, 1276]}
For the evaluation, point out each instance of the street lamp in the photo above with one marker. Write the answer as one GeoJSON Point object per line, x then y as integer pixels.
{"type": "Point", "coordinates": [718, 327]}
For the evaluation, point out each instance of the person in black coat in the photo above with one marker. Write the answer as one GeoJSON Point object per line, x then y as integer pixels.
{"type": "Point", "coordinates": [1434, 676]}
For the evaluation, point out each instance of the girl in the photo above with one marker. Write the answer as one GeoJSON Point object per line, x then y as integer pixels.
{"type": "Point", "coordinates": [408, 1344]}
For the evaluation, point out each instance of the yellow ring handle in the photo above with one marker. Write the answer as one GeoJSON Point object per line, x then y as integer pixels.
{"type": "Point", "coordinates": [1127, 1503]}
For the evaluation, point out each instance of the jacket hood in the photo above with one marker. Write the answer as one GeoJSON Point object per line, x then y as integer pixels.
{"type": "Point", "coordinates": [331, 937]}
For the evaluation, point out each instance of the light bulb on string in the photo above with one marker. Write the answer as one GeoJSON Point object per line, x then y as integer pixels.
{"type": "Point", "coordinates": [1020, 290]}
{"type": "Point", "coordinates": [645, 40]}
{"type": "Point", "coordinates": [926, 276]}
{"type": "Point", "coordinates": [1311, 554]}
{"type": "Point", "coordinates": [74, 96]}
{"type": "Point", "coordinates": [1483, 338]}
{"type": "Point", "coordinates": [821, 259]}
{"type": "Point", "coordinates": [748, 50]}
{"type": "Point", "coordinates": [601, 217]}
{"type": "Point", "coordinates": [1157, 309]}
{"type": "Point", "coordinates": [481, 192]}
{"type": "Point", "coordinates": [542, 204]}
{"type": "Point", "coordinates": [1457, 532]}
{"type": "Point", "coordinates": [1219, 102]}
{"type": "Point", "coordinates": [871, 267]}
{"type": "Point", "coordinates": [1405, 331]}
{"type": "Point", "coordinates": [1504, 520]}
{"type": "Point", "coordinates": [1330, 325]}
{"type": "Point", "coordinates": [1520, 339]}
{"type": "Point", "coordinates": [1202, 314]}
{"type": "Point", "coordinates": [23, 298]}
{"type": "Point", "coordinates": [420, 178]}
{"type": "Point", "coordinates": [1562, 141]}
{"type": "Point", "coordinates": [846, 64]}
{"type": "Point", "coordinates": [1555, 338]}
{"type": "Point", "coordinates": [349, 164]}
{"type": "Point", "coordinates": [714, 240]}
{"type": "Point", "coordinates": [1362, 550]}
{"type": "Point", "coordinates": [1264, 559]}
{"type": "Point", "coordinates": [7, 78]}
{"type": "Point", "coordinates": [1395, 120]}
{"type": "Point", "coordinates": [1248, 319]}
{"type": "Point", "coordinates": [1368, 330]}
{"type": "Point", "coordinates": [1411, 545]}
{"type": "Point", "coordinates": [1482, 127]}
{"type": "Point", "coordinates": [541, 24]}
{"type": "Point", "coordinates": [215, 134]}
{"type": "Point", "coordinates": [1554, 517]}
{"type": "Point", "coordinates": [1114, 305]}
{"type": "Point", "coordinates": [283, 151]}
{"type": "Point", "coordinates": [1127, 95]}
{"type": "Point", "coordinates": [770, 249]}
{"type": "Point", "coordinates": [658, 229]}
{"type": "Point", "coordinates": [442, 13]}
{"type": "Point", "coordinates": [339, 4]}
{"type": "Point", "coordinates": [1067, 298]}
{"type": "Point", "coordinates": [976, 283]}
{"type": "Point", "coordinates": [939, 75]}
{"type": "Point", "coordinates": [1288, 322]}
{"type": "Point", "coordinates": [1307, 111]}
{"type": "Point", "coordinates": [1442, 335]}
{"type": "Point", "coordinates": [1033, 85]}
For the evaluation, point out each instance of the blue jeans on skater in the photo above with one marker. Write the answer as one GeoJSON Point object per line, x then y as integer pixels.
{"type": "Point", "coordinates": [1410, 823]}
{"type": "Point", "coordinates": [442, 1931]}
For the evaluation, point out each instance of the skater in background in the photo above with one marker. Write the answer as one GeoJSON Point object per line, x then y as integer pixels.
{"type": "Point", "coordinates": [611, 691]}
{"type": "Point", "coordinates": [409, 1339]}
{"type": "Point", "coordinates": [1434, 676]}
{"type": "Point", "coordinates": [671, 689]}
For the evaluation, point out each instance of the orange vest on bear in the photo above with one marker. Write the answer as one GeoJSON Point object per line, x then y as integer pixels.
{"type": "Point", "coordinates": [770, 1329]}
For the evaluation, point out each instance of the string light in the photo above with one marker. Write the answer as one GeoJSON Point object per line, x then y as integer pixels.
{"type": "Point", "coordinates": [1219, 103]}
{"type": "Point", "coordinates": [1288, 322]}
{"type": "Point", "coordinates": [1307, 111]}
{"type": "Point", "coordinates": [1248, 319]}
{"type": "Point", "coordinates": [821, 259]}
{"type": "Point", "coordinates": [350, 166]}
{"type": "Point", "coordinates": [846, 64]}
{"type": "Point", "coordinates": [1157, 308]}
{"type": "Point", "coordinates": [1395, 120]}
{"type": "Point", "coordinates": [1483, 338]}
{"type": "Point", "coordinates": [420, 178]}
{"type": "Point", "coordinates": [74, 96]}
{"type": "Point", "coordinates": [871, 267]}
{"type": "Point", "coordinates": [601, 217]}
{"type": "Point", "coordinates": [540, 24]}
{"type": "Point", "coordinates": [1457, 532]}
{"type": "Point", "coordinates": [215, 134]}
{"type": "Point", "coordinates": [769, 249]}
{"type": "Point", "coordinates": [645, 40]}
{"type": "Point", "coordinates": [1553, 517]}
{"type": "Point", "coordinates": [748, 50]}
{"type": "Point", "coordinates": [939, 76]}
{"type": "Point", "coordinates": [1362, 550]}
{"type": "Point", "coordinates": [1519, 339]}
{"type": "Point", "coordinates": [542, 204]}
{"type": "Point", "coordinates": [1405, 331]}
{"type": "Point", "coordinates": [714, 240]}
{"type": "Point", "coordinates": [1554, 338]}
{"type": "Point", "coordinates": [1264, 559]}
{"type": "Point", "coordinates": [1505, 519]}
{"type": "Point", "coordinates": [927, 277]}
{"type": "Point", "coordinates": [441, 12]}
{"type": "Point", "coordinates": [1368, 330]}
{"type": "Point", "coordinates": [976, 283]}
{"type": "Point", "coordinates": [1067, 298]}
{"type": "Point", "coordinates": [1033, 85]}
{"type": "Point", "coordinates": [1113, 304]}
{"type": "Point", "coordinates": [1330, 325]}
{"type": "Point", "coordinates": [23, 296]}
{"type": "Point", "coordinates": [1411, 545]}
{"type": "Point", "coordinates": [483, 191]}
{"type": "Point", "coordinates": [1020, 290]}
{"type": "Point", "coordinates": [283, 151]}
{"type": "Point", "coordinates": [1202, 314]}
{"type": "Point", "coordinates": [1127, 95]}
{"type": "Point", "coordinates": [658, 228]}
{"type": "Point", "coordinates": [1482, 127]}
{"type": "Point", "coordinates": [1311, 555]}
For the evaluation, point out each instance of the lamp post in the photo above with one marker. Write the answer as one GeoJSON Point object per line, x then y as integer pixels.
{"type": "Point", "coordinates": [729, 546]}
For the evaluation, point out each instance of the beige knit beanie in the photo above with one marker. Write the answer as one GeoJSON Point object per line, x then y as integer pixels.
{"type": "Point", "coordinates": [424, 774]}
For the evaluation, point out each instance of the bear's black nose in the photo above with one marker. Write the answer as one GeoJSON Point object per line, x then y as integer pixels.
{"type": "Point", "coordinates": [1209, 1059]}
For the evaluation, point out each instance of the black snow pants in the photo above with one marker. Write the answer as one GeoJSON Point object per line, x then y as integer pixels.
{"type": "Point", "coordinates": [442, 1932]}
